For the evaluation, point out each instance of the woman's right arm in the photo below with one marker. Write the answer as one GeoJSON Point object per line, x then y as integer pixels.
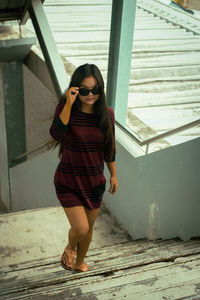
{"type": "Point", "coordinates": [60, 122]}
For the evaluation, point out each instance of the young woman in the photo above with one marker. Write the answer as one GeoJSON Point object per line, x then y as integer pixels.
{"type": "Point", "coordinates": [83, 126]}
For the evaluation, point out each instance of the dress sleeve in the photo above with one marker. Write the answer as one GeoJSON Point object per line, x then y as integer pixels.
{"type": "Point", "coordinates": [112, 117]}
{"type": "Point", "coordinates": [57, 128]}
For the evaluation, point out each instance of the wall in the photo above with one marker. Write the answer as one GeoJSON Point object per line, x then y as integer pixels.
{"type": "Point", "coordinates": [159, 194]}
{"type": "Point", "coordinates": [32, 182]}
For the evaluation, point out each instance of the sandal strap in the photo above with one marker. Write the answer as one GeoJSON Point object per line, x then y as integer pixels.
{"type": "Point", "coordinates": [70, 252]}
{"type": "Point", "coordinates": [83, 267]}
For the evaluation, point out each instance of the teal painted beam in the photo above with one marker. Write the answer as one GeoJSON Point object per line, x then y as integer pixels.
{"type": "Point", "coordinates": [12, 116]}
{"type": "Point", "coordinates": [14, 110]}
{"type": "Point", "coordinates": [15, 48]}
{"type": "Point", "coordinates": [53, 59]}
{"type": "Point", "coordinates": [120, 52]}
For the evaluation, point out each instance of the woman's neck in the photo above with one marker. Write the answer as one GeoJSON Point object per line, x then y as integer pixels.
{"type": "Point", "coordinates": [87, 109]}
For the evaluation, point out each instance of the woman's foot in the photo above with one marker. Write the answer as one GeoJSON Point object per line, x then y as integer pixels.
{"type": "Point", "coordinates": [80, 266]}
{"type": "Point", "coordinates": [67, 259]}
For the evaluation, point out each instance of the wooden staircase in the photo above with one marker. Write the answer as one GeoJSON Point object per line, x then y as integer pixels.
{"type": "Point", "coordinates": [121, 268]}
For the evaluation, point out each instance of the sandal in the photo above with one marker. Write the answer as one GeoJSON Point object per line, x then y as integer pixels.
{"type": "Point", "coordinates": [70, 254]}
{"type": "Point", "coordinates": [82, 268]}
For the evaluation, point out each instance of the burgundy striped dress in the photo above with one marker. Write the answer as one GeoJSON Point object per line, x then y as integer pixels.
{"type": "Point", "coordinates": [79, 177]}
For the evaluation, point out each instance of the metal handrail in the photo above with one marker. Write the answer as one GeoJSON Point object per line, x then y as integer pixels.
{"type": "Point", "coordinates": [33, 150]}
{"type": "Point", "coordinates": [159, 136]}
{"type": "Point", "coordinates": [137, 140]}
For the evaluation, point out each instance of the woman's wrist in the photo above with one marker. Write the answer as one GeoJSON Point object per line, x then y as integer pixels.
{"type": "Point", "coordinates": [112, 169]}
{"type": "Point", "coordinates": [68, 103]}
{"type": "Point", "coordinates": [65, 114]}
{"type": "Point", "coordinates": [113, 175]}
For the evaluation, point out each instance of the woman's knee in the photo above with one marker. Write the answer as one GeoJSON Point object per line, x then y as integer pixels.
{"type": "Point", "coordinates": [81, 231]}
{"type": "Point", "coordinates": [78, 220]}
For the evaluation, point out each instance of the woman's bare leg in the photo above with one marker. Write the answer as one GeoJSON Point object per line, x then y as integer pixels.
{"type": "Point", "coordinates": [83, 244]}
{"type": "Point", "coordinates": [79, 226]}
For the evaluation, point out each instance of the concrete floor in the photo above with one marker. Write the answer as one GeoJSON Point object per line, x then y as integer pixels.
{"type": "Point", "coordinates": [42, 233]}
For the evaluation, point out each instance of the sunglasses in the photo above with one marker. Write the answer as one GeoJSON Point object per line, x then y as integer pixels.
{"type": "Point", "coordinates": [95, 91]}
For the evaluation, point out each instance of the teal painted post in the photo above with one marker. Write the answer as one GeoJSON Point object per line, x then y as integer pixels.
{"type": "Point", "coordinates": [14, 110]}
{"type": "Point", "coordinates": [12, 116]}
{"type": "Point", "coordinates": [120, 53]}
{"type": "Point", "coordinates": [54, 62]}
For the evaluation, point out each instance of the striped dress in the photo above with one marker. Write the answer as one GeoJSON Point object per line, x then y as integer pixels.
{"type": "Point", "coordinates": [79, 178]}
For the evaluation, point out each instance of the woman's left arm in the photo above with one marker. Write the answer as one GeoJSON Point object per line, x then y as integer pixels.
{"type": "Point", "coordinates": [113, 177]}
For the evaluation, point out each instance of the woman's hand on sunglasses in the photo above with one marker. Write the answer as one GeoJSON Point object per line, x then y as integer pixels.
{"type": "Point", "coordinates": [71, 94]}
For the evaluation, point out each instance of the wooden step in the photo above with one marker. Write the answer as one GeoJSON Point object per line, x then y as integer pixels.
{"type": "Point", "coordinates": [120, 263]}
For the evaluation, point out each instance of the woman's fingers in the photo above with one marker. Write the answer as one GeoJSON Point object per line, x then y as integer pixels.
{"type": "Point", "coordinates": [113, 187]}
{"type": "Point", "coordinates": [75, 90]}
{"type": "Point", "coordinates": [71, 94]}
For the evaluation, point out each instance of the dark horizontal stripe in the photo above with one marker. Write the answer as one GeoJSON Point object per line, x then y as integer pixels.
{"type": "Point", "coordinates": [82, 148]}
{"type": "Point", "coordinates": [84, 125]}
{"type": "Point", "coordinates": [84, 117]}
{"type": "Point", "coordinates": [97, 167]}
{"type": "Point", "coordinates": [85, 120]}
{"type": "Point", "coordinates": [71, 142]}
{"type": "Point", "coordinates": [85, 169]}
{"type": "Point", "coordinates": [85, 146]}
{"type": "Point", "coordinates": [79, 173]}
{"type": "Point", "coordinates": [61, 189]}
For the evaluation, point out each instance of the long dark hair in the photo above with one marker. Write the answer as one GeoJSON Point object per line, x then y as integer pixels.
{"type": "Point", "coordinates": [100, 107]}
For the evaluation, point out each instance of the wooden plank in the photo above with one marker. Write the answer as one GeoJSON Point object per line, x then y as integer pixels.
{"type": "Point", "coordinates": [138, 35]}
{"type": "Point", "coordinates": [153, 279]}
{"type": "Point", "coordinates": [73, 25]}
{"type": "Point", "coordinates": [110, 260]}
{"type": "Point", "coordinates": [135, 246]}
{"type": "Point", "coordinates": [149, 284]}
{"type": "Point", "coordinates": [138, 246]}
{"type": "Point", "coordinates": [138, 46]}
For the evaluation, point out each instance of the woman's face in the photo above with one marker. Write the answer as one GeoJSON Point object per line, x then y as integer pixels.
{"type": "Point", "coordinates": [88, 83]}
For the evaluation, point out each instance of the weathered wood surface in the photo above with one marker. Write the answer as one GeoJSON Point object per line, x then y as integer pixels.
{"type": "Point", "coordinates": [135, 270]}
